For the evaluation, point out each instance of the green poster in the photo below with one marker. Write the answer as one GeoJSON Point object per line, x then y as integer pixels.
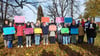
{"type": "Point", "coordinates": [64, 30]}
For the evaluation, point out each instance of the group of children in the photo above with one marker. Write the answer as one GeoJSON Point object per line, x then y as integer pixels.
{"type": "Point", "coordinates": [88, 27]}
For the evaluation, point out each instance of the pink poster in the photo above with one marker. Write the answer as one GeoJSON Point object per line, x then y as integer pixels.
{"type": "Point", "coordinates": [59, 19]}
{"type": "Point", "coordinates": [52, 28]}
{"type": "Point", "coordinates": [19, 19]}
{"type": "Point", "coordinates": [28, 30]}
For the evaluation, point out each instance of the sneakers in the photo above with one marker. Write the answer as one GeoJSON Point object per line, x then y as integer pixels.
{"type": "Point", "coordinates": [43, 43]}
{"type": "Point", "coordinates": [21, 46]}
{"type": "Point", "coordinates": [46, 43]}
{"type": "Point", "coordinates": [18, 46]}
{"type": "Point", "coordinates": [26, 45]}
{"type": "Point", "coordinates": [29, 45]}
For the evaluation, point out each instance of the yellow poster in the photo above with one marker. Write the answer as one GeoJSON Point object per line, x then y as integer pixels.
{"type": "Point", "coordinates": [37, 30]}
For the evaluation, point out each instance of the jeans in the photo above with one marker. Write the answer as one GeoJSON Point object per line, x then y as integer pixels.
{"type": "Point", "coordinates": [91, 40]}
{"type": "Point", "coordinates": [20, 40]}
{"type": "Point", "coordinates": [80, 39]}
{"type": "Point", "coordinates": [28, 40]}
{"type": "Point", "coordinates": [66, 39]}
{"type": "Point", "coordinates": [37, 39]}
{"type": "Point", "coordinates": [10, 44]}
{"type": "Point", "coordinates": [5, 43]}
{"type": "Point", "coordinates": [45, 38]}
{"type": "Point", "coordinates": [73, 39]}
{"type": "Point", "coordinates": [52, 40]}
{"type": "Point", "coordinates": [59, 38]}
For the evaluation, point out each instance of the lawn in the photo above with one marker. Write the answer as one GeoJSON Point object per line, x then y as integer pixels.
{"type": "Point", "coordinates": [53, 49]}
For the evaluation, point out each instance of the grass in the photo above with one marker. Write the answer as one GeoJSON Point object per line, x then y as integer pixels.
{"type": "Point", "coordinates": [53, 49]}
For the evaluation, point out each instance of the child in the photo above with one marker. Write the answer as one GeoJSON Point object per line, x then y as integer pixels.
{"type": "Point", "coordinates": [10, 37]}
{"type": "Point", "coordinates": [32, 35]}
{"type": "Point", "coordinates": [28, 36]}
{"type": "Point", "coordinates": [37, 36]}
{"type": "Point", "coordinates": [92, 32]}
{"type": "Point", "coordinates": [59, 34]}
{"type": "Point", "coordinates": [81, 34]}
{"type": "Point", "coordinates": [5, 36]}
{"type": "Point", "coordinates": [20, 34]}
{"type": "Point", "coordinates": [66, 37]}
{"type": "Point", "coordinates": [73, 38]}
{"type": "Point", "coordinates": [45, 33]}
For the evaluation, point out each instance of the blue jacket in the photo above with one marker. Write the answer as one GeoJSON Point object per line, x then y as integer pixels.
{"type": "Point", "coordinates": [45, 30]}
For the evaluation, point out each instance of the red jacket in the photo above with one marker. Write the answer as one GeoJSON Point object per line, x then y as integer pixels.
{"type": "Point", "coordinates": [20, 30]}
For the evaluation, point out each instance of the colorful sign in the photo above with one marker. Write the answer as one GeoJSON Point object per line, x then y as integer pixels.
{"type": "Point", "coordinates": [19, 19]}
{"type": "Point", "coordinates": [37, 30]}
{"type": "Point", "coordinates": [59, 19]}
{"type": "Point", "coordinates": [65, 30]}
{"type": "Point", "coordinates": [28, 30]}
{"type": "Point", "coordinates": [52, 28]}
{"type": "Point", "coordinates": [9, 30]}
{"type": "Point", "coordinates": [68, 20]}
{"type": "Point", "coordinates": [45, 19]}
{"type": "Point", "coordinates": [74, 31]}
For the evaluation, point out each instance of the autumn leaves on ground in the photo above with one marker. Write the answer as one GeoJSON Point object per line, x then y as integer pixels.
{"type": "Point", "coordinates": [53, 49]}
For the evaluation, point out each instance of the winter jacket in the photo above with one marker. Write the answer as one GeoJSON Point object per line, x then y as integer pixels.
{"type": "Point", "coordinates": [92, 32]}
{"type": "Point", "coordinates": [81, 30]}
{"type": "Point", "coordinates": [20, 30]}
{"type": "Point", "coordinates": [45, 30]}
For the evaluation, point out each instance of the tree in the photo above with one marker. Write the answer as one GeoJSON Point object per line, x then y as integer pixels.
{"type": "Point", "coordinates": [13, 5]}
{"type": "Point", "coordinates": [39, 13]}
{"type": "Point", "coordinates": [63, 8]}
{"type": "Point", "coordinates": [92, 8]}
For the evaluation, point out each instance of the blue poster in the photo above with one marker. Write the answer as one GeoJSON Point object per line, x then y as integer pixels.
{"type": "Point", "coordinates": [74, 31]}
{"type": "Point", "coordinates": [68, 20]}
{"type": "Point", "coordinates": [9, 30]}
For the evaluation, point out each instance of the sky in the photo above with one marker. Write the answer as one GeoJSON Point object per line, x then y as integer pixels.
{"type": "Point", "coordinates": [31, 13]}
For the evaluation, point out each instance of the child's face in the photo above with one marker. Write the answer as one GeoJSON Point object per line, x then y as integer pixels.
{"type": "Point", "coordinates": [28, 24]}
{"type": "Point", "coordinates": [6, 22]}
{"type": "Point", "coordinates": [19, 25]}
{"type": "Point", "coordinates": [10, 24]}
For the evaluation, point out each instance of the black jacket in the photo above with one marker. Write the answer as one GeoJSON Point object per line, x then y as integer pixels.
{"type": "Point", "coordinates": [92, 32]}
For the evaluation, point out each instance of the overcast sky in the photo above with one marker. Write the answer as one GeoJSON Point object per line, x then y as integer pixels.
{"type": "Point", "coordinates": [31, 15]}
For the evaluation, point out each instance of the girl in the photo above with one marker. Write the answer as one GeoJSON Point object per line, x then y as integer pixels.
{"type": "Point", "coordinates": [37, 36]}
{"type": "Point", "coordinates": [5, 36]}
{"type": "Point", "coordinates": [66, 37]}
{"type": "Point", "coordinates": [20, 34]}
{"type": "Point", "coordinates": [32, 35]}
{"type": "Point", "coordinates": [10, 37]}
{"type": "Point", "coordinates": [59, 34]}
{"type": "Point", "coordinates": [92, 32]}
{"type": "Point", "coordinates": [81, 34]}
{"type": "Point", "coordinates": [73, 38]}
{"type": "Point", "coordinates": [28, 36]}
{"type": "Point", "coordinates": [45, 33]}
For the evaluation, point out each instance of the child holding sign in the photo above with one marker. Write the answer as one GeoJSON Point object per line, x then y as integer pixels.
{"type": "Point", "coordinates": [5, 36]}
{"type": "Point", "coordinates": [37, 35]}
{"type": "Point", "coordinates": [45, 30]}
{"type": "Point", "coordinates": [66, 36]}
{"type": "Point", "coordinates": [20, 34]}
{"type": "Point", "coordinates": [10, 37]}
{"type": "Point", "coordinates": [28, 36]}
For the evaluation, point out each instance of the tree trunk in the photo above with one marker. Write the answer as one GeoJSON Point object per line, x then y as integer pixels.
{"type": "Point", "coordinates": [72, 2]}
{"type": "Point", "coordinates": [2, 10]}
{"type": "Point", "coordinates": [6, 8]}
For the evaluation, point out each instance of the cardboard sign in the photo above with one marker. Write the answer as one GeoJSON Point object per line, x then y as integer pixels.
{"type": "Point", "coordinates": [9, 30]}
{"type": "Point", "coordinates": [45, 19]}
{"type": "Point", "coordinates": [65, 30]}
{"type": "Point", "coordinates": [19, 19]}
{"type": "Point", "coordinates": [68, 20]}
{"type": "Point", "coordinates": [28, 30]}
{"type": "Point", "coordinates": [74, 31]}
{"type": "Point", "coordinates": [59, 19]}
{"type": "Point", "coordinates": [37, 30]}
{"type": "Point", "coordinates": [52, 28]}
